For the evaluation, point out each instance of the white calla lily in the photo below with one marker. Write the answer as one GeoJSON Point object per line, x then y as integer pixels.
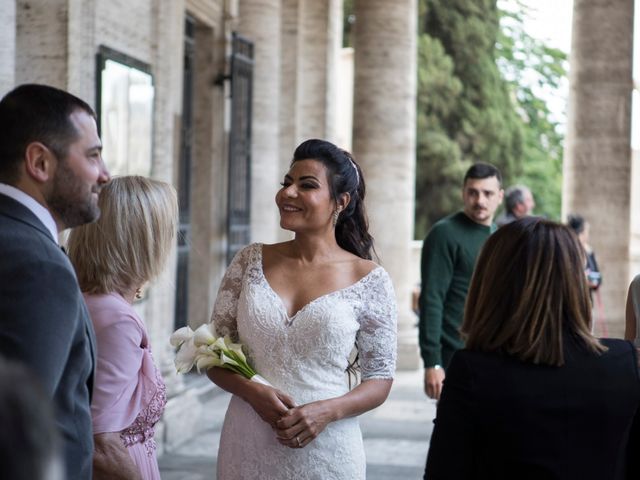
{"type": "Point", "coordinates": [219, 344]}
{"type": "Point", "coordinates": [204, 350]}
{"type": "Point", "coordinates": [205, 362]}
{"type": "Point", "coordinates": [237, 349]}
{"type": "Point", "coordinates": [186, 356]}
{"type": "Point", "coordinates": [203, 336]}
{"type": "Point", "coordinates": [227, 360]}
{"type": "Point", "coordinates": [180, 336]}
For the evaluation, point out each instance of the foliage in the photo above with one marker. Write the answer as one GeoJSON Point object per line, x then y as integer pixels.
{"type": "Point", "coordinates": [480, 84]}
{"type": "Point", "coordinates": [535, 73]}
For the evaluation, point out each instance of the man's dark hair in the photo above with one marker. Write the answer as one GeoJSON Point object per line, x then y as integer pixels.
{"type": "Point", "coordinates": [481, 170]}
{"type": "Point", "coordinates": [35, 113]}
{"type": "Point", "coordinates": [576, 222]}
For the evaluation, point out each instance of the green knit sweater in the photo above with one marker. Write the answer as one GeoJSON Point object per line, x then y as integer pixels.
{"type": "Point", "coordinates": [448, 257]}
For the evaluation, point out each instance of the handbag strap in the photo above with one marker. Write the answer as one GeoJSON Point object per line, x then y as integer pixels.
{"type": "Point", "coordinates": [635, 298]}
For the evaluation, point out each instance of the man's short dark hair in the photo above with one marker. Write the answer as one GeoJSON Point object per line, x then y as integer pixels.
{"type": "Point", "coordinates": [479, 171]}
{"type": "Point", "coordinates": [35, 113]}
{"type": "Point", "coordinates": [576, 222]}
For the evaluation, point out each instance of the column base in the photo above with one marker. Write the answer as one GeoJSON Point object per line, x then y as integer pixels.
{"type": "Point", "coordinates": [408, 351]}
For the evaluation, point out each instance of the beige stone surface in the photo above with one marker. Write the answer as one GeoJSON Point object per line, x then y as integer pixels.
{"type": "Point", "coordinates": [319, 43]}
{"type": "Point", "coordinates": [597, 162]}
{"type": "Point", "coordinates": [210, 174]}
{"type": "Point", "coordinates": [289, 136]}
{"type": "Point", "coordinates": [260, 21]}
{"type": "Point", "coordinates": [41, 42]}
{"type": "Point", "coordinates": [7, 45]}
{"type": "Point", "coordinates": [384, 141]}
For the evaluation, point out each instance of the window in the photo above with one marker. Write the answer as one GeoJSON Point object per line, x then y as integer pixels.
{"type": "Point", "coordinates": [125, 113]}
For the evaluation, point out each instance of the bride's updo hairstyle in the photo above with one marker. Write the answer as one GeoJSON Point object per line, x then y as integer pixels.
{"type": "Point", "coordinates": [344, 176]}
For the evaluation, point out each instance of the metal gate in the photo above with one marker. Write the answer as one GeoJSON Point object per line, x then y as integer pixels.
{"type": "Point", "coordinates": [184, 177]}
{"type": "Point", "coordinates": [239, 201]}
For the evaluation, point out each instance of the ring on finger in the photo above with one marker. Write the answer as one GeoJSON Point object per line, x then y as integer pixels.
{"type": "Point", "coordinates": [298, 440]}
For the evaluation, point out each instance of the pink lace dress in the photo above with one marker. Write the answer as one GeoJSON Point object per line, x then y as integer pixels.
{"type": "Point", "coordinates": [129, 394]}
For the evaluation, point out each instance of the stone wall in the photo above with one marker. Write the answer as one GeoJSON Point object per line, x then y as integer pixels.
{"type": "Point", "coordinates": [7, 45]}
{"type": "Point", "coordinates": [597, 160]}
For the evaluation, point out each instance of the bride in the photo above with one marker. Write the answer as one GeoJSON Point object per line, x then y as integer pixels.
{"type": "Point", "coordinates": [299, 308]}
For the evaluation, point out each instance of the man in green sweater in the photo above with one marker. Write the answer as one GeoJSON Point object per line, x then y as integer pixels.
{"type": "Point", "coordinates": [448, 257]}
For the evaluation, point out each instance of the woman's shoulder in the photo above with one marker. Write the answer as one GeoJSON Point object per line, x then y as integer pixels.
{"type": "Point", "coordinates": [244, 254]}
{"type": "Point", "coordinates": [364, 267]}
{"type": "Point", "coordinates": [107, 303]}
{"type": "Point", "coordinates": [109, 309]}
{"type": "Point", "coordinates": [636, 281]}
{"type": "Point", "coordinates": [617, 346]}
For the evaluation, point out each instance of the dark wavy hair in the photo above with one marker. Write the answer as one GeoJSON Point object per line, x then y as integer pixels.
{"type": "Point", "coordinates": [345, 176]}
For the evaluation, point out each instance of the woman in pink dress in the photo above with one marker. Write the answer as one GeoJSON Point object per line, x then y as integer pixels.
{"type": "Point", "coordinates": [114, 257]}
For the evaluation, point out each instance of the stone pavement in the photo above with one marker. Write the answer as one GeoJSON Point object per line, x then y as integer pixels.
{"type": "Point", "coordinates": [396, 436]}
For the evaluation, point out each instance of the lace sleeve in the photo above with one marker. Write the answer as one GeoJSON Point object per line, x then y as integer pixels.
{"type": "Point", "coordinates": [377, 337]}
{"type": "Point", "coordinates": [226, 304]}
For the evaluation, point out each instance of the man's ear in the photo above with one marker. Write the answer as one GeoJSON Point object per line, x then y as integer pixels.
{"type": "Point", "coordinates": [39, 162]}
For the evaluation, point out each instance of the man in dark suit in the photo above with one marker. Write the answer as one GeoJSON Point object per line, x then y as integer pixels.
{"type": "Point", "coordinates": [51, 172]}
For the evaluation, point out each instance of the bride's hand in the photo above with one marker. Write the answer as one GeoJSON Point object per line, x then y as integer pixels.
{"type": "Point", "coordinates": [301, 425]}
{"type": "Point", "coordinates": [270, 403]}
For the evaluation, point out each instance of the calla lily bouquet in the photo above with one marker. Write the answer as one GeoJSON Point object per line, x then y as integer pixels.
{"type": "Point", "coordinates": [204, 350]}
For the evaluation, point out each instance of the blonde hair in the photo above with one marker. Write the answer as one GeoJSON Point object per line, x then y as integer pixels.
{"type": "Point", "coordinates": [529, 290]}
{"type": "Point", "coordinates": [131, 240]}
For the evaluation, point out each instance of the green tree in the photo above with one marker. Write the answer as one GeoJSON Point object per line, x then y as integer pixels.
{"type": "Point", "coordinates": [535, 73]}
{"type": "Point", "coordinates": [482, 81]}
{"type": "Point", "coordinates": [465, 113]}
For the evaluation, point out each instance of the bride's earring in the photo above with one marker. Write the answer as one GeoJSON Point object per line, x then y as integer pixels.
{"type": "Point", "coordinates": [138, 293]}
{"type": "Point", "coordinates": [336, 214]}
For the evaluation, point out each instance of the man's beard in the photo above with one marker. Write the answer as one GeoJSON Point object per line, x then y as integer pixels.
{"type": "Point", "coordinates": [71, 200]}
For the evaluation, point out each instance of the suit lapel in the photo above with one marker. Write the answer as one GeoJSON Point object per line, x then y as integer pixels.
{"type": "Point", "coordinates": [17, 211]}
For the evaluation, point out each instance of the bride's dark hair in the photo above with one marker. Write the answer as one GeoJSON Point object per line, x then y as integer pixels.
{"type": "Point", "coordinates": [345, 176]}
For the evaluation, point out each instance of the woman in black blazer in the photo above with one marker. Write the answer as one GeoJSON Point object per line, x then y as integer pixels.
{"type": "Point", "coordinates": [534, 395]}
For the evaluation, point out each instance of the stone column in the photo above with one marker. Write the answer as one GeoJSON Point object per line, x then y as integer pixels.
{"type": "Point", "coordinates": [81, 47]}
{"type": "Point", "coordinates": [260, 21]}
{"type": "Point", "coordinates": [167, 60]}
{"type": "Point", "coordinates": [597, 160]}
{"type": "Point", "coordinates": [384, 119]}
{"type": "Point", "coordinates": [289, 29]}
{"type": "Point", "coordinates": [41, 42]}
{"type": "Point", "coordinates": [319, 44]}
{"type": "Point", "coordinates": [7, 45]}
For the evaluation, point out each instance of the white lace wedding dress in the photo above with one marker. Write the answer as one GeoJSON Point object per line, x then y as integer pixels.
{"type": "Point", "coordinates": [305, 356]}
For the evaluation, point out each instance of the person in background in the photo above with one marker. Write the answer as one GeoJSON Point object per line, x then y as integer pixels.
{"type": "Point", "coordinates": [114, 258]}
{"type": "Point", "coordinates": [519, 203]}
{"type": "Point", "coordinates": [51, 173]}
{"type": "Point", "coordinates": [581, 228]}
{"type": "Point", "coordinates": [448, 257]}
{"type": "Point", "coordinates": [534, 395]}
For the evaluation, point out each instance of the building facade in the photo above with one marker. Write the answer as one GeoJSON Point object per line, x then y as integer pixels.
{"type": "Point", "coordinates": [212, 96]}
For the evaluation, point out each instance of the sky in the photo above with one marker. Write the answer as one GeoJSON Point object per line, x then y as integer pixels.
{"type": "Point", "coordinates": [550, 20]}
